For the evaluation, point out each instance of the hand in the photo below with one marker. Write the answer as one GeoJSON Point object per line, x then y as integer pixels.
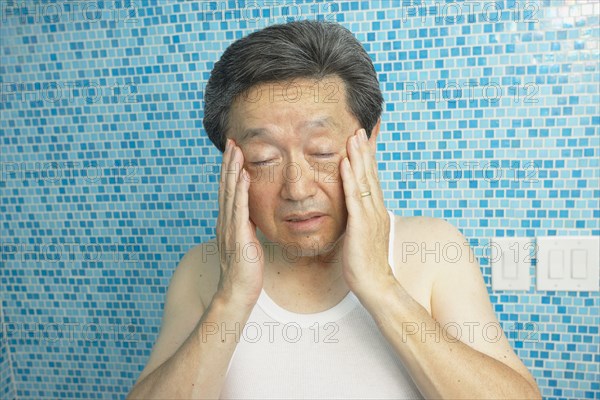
{"type": "Point", "coordinates": [366, 243]}
{"type": "Point", "coordinates": [241, 254]}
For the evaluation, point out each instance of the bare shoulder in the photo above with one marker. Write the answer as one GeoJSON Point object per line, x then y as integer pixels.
{"type": "Point", "coordinates": [443, 274]}
{"type": "Point", "coordinates": [190, 290]}
{"type": "Point", "coordinates": [201, 266]}
{"type": "Point", "coordinates": [424, 246]}
{"type": "Point", "coordinates": [431, 245]}
{"type": "Point", "coordinates": [427, 226]}
{"type": "Point", "coordinates": [429, 240]}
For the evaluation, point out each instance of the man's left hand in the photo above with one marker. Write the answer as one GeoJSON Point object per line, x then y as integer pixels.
{"type": "Point", "coordinates": [366, 242]}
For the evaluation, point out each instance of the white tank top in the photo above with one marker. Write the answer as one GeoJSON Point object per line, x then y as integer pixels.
{"type": "Point", "coordinates": [334, 354]}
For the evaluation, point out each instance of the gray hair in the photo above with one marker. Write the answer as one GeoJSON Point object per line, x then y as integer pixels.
{"type": "Point", "coordinates": [300, 49]}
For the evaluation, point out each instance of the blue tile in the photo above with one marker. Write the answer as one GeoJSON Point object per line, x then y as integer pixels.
{"type": "Point", "coordinates": [546, 113]}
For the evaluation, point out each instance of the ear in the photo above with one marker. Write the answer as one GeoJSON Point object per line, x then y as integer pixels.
{"type": "Point", "coordinates": [374, 134]}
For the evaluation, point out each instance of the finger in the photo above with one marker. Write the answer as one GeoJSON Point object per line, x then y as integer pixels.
{"type": "Point", "coordinates": [357, 162]}
{"type": "Point", "coordinates": [351, 190]}
{"type": "Point", "coordinates": [222, 184]}
{"type": "Point", "coordinates": [231, 177]}
{"type": "Point", "coordinates": [370, 167]}
{"type": "Point", "coordinates": [241, 214]}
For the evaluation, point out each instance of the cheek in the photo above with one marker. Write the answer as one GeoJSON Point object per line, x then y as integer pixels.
{"type": "Point", "coordinates": [327, 173]}
{"type": "Point", "coordinates": [260, 197]}
{"type": "Point", "coordinates": [252, 196]}
{"type": "Point", "coordinates": [330, 180]}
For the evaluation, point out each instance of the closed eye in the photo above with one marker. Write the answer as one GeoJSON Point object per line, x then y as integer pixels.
{"type": "Point", "coordinates": [324, 155]}
{"type": "Point", "coordinates": [261, 163]}
{"type": "Point", "coordinates": [272, 161]}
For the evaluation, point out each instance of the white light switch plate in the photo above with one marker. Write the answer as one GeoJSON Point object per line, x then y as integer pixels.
{"type": "Point", "coordinates": [510, 259]}
{"type": "Point", "coordinates": [568, 263]}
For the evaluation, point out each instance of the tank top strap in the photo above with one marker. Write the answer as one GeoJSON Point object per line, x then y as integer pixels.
{"type": "Point", "coordinates": [391, 242]}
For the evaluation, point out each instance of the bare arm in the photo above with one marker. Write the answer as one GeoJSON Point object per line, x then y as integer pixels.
{"type": "Point", "coordinates": [460, 351]}
{"type": "Point", "coordinates": [442, 366]}
{"type": "Point", "coordinates": [198, 368]}
{"type": "Point", "coordinates": [440, 363]}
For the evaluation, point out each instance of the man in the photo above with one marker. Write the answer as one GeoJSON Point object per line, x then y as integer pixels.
{"type": "Point", "coordinates": [306, 291]}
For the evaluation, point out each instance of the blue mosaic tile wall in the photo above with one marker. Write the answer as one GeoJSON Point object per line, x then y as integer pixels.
{"type": "Point", "coordinates": [491, 121]}
{"type": "Point", "coordinates": [6, 381]}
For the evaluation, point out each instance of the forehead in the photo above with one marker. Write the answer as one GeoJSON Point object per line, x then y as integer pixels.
{"type": "Point", "coordinates": [290, 105]}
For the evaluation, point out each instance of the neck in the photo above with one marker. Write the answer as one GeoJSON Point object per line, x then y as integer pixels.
{"type": "Point", "coordinates": [314, 270]}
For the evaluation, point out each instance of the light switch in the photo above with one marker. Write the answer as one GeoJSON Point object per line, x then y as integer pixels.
{"type": "Point", "coordinates": [568, 263]}
{"type": "Point", "coordinates": [509, 267]}
{"type": "Point", "coordinates": [579, 263]}
{"type": "Point", "coordinates": [557, 264]}
{"type": "Point", "coordinates": [510, 260]}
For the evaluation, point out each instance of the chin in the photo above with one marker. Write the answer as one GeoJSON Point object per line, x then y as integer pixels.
{"type": "Point", "coordinates": [308, 245]}
{"type": "Point", "coordinates": [314, 249]}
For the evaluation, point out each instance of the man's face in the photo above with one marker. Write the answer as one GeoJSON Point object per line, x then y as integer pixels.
{"type": "Point", "coordinates": [293, 138]}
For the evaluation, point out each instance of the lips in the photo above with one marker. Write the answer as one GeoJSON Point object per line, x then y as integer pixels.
{"type": "Point", "coordinates": [302, 217]}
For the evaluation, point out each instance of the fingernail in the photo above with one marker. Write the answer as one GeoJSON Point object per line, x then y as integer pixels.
{"type": "Point", "coordinates": [363, 134]}
{"type": "Point", "coordinates": [227, 144]}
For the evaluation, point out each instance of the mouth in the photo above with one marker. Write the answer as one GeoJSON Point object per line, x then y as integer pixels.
{"type": "Point", "coordinates": [303, 217]}
{"type": "Point", "coordinates": [305, 223]}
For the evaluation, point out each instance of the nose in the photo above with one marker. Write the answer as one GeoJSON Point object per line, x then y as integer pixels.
{"type": "Point", "coordinates": [298, 181]}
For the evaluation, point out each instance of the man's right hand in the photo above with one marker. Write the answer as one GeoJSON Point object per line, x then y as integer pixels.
{"type": "Point", "coordinates": [194, 348]}
{"type": "Point", "coordinates": [241, 254]}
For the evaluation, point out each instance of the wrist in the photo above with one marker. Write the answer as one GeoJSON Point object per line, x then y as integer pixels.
{"type": "Point", "coordinates": [377, 292]}
{"type": "Point", "coordinates": [374, 282]}
{"type": "Point", "coordinates": [222, 321]}
{"type": "Point", "coordinates": [230, 301]}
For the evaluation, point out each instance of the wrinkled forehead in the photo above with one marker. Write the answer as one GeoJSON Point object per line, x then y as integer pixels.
{"type": "Point", "coordinates": [280, 102]}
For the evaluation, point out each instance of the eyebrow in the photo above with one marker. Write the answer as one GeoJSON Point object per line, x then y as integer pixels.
{"type": "Point", "coordinates": [320, 122]}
